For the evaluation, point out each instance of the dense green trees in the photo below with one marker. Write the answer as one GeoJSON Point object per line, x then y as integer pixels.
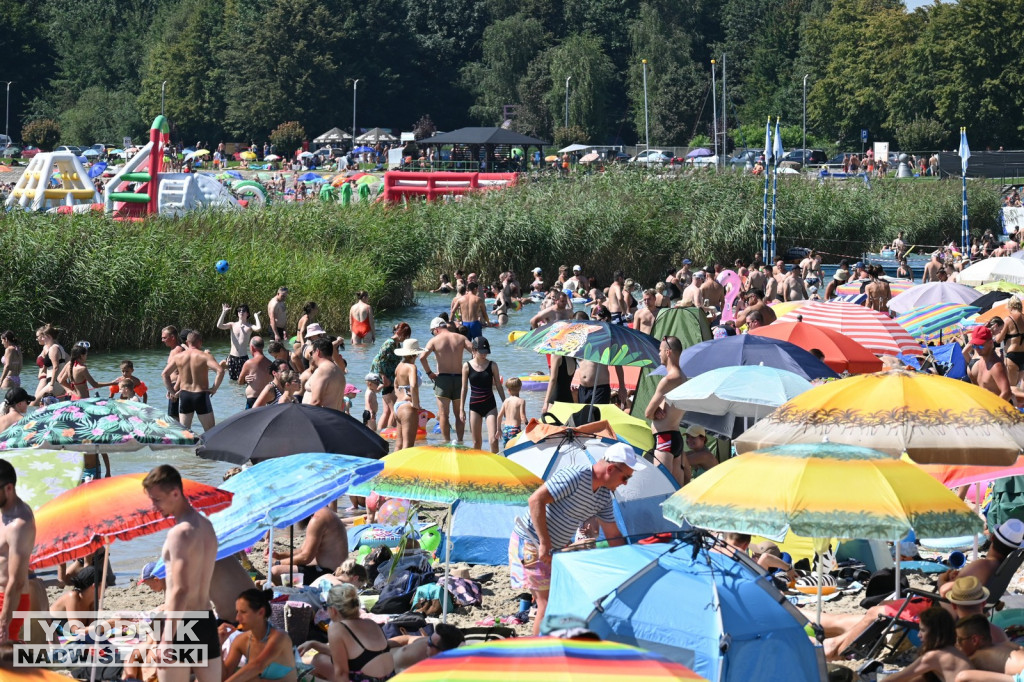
{"type": "Point", "coordinates": [236, 70]}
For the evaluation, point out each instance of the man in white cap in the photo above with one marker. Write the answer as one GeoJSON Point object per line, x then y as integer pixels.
{"type": "Point", "coordinates": [449, 347]}
{"type": "Point", "coordinates": [578, 281]}
{"type": "Point", "coordinates": [570, 497]}
{"type": "Point", "coordinates": [538, 281]}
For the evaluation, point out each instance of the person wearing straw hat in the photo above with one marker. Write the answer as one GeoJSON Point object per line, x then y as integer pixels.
{"type": "Point", "coordinates": [407, 394]}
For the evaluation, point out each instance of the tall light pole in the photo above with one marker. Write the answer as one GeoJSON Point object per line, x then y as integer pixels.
{"type": "Point", "coordinates": [647, 123]}
{"type": "Point", "coordinates": [355, 87]}
{"type": "Point", "coordinates": [163, 88]}
{"type": "Point", "coordinates": [714, 109]}
{"type": "Point", "coordinates": [7, 118]}
{"type": "Point", "coordinates": [567, 101]}
{"type": "Point", "coordinates": [804, 152]}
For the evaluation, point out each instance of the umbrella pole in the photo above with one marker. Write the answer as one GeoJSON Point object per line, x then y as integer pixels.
{"type": "Point", "coordinates": [820, 578]}
{"type": "Point", "coordinates": [270, 555]}
{"type": "Point", "coordinates": [977, 510]}
{"type": "Point", "coordinates": [100, 591]}
{"type": "Point", "coordinates": [896, 545]}
{"type": "Point", "coordinates": [291, 553]}
{"type": "Point", "coordinates": [447, 565]}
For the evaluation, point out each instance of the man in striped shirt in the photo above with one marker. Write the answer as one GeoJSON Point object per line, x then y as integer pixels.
{"type": "Point", "coordinates": [569, 498]}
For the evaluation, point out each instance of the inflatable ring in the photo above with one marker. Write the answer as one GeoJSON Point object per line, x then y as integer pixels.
{"type": "Point", "coordinates": [535, 382]}
{"type": "Point", "coordinates": [813, 589]}
{"type": "Point", "coordinates": [392, 433]}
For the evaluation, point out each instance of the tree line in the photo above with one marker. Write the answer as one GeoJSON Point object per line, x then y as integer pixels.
{"type": "Point", "coordinates": [236, 70]}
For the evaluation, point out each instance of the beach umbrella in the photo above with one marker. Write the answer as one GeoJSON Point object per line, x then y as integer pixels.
{"type": "Point", "coordinates": [633, 430]}
{"type": "Point", "coordinates": [5, 169]}
{"type": "Point", "coordinates": [97, 169]}
{"type": "Point", "coordinates": [699, 152]}
{"type": "Point", "coordinates": [551, 157]}
{"type": "Point", "coordinates": [1002, 310]}
{"type": "Point", "coordinates": [1003, 269]}
{"type": "Point", "coordinates": [871, 329]}
{"type": "Point", "coordinates": [305, 177]}
{"type": "Point", "coordinates": [449, 474]}
{"type": "Point", "coordinates": [198, 152]}
{"type": "Point", "coordinates": [1008, 287]}
{"type": "Point", "coordinates": [366, 179]}
{"type": "Point", "coordinates": [749, 391]}
{"type": "Point", "coordinates": [121, 151]}
{"type": "Point", "coordinates": [934, 293]}
{"type": "Point", "coordinates": [747, 349]}
{"type": "Point", "coordinates": [362, 150]}
{"type": "Point", "coordinates": [600, 342]}
{"type": "Point", "coordinates": [98, 425]}
{"type": "Point", "coordinates": [271, 157]}
{"type": "Point", "coordinates": [933, 322]}
{"type": "Point", "coordinates": [248, 156]}
{"type": "Point", "coordinates": [590, 158]}
{"type": "Point", "coordinates": [45, 474]}
{"type": "Point", "coordinates": [306, 155]}
{"type": "Point", "coordinates": [989, 299]}
{"type": "Point", "coordinates": [528, 659]}
{"type": "Point", "coordinates": [842, 354]}
{"type": "Point", "coordinates": [855, 299]}
{"type": "Point", "coordinates": [896, 286]}
{"type": "Point", "coordinates": [234, 174]}
{"type": "Point", "coordinates": [821, 490]}
{"type": "Point", "coordinates": [780, 308]}
{"type": "Point", "coordinates": [90, 152]}
{"type": "Point", "coordinates": [933, 419]}
{"type": "Point", "coordinates": [289, 429]}
{"type": "Point", "coordinates": [281, 492]}
{"type": "Point", "coordinates": [90, 516]}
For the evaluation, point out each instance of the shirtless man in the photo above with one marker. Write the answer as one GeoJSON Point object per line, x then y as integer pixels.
{"type": "Point", "coordinates": [691, 295]}
{"type": "Point", "coordinates": [255, 373]}
{"type": "Point", "coordinates": [988, 371]}
{"type": "Point", "coordinates": [189, 553]}
{"type": "Point", "coordinates": [326, 385]}
{"type": "Point", "coordinates": [323, 550]}
{"type": "Point", "coordinates": [899, 246]}
{"type": "Point", "coordinates": [594, 386]}
{"type": "Point", "coordinates": [757, 280]}
{"type": "Point", "coordinates": [878, 291]}
{"type": "Point", "coordinates": [449, 348]}
{"type": "Point", "coordinates": [561, 310]}
{"type": "Point", "coordinates": [17, 537]}
{"type": "Point", "coordinates": [793, 287]}
{"type": "Point", "coordinates": [697, 454]}
{"type": "Point", "coordinates": [241, 331]}
{"type": "Point", "coordinates": [411, 649]}
{"type": "Point", "coordinates": [933, 268]}
{"type": "Point", "coordinates": [1002, 662]}
{"type": "Point", "coordinates": [755, 301]}
{"type": "Point", "coordinates": [617, 304]}
{"type": "Point", "coordinates": [192, 387]}
{"type": "Point", "coordinates": [712, 295]}
{"type": "Point", "coordinates": [474, 312]}
{"type": "Point", "coordinates": [277, 316]}
{"type": "Point", "coordinates": [170, 338]}
{"type": "Point", "coordinates": [645, 317]}
{"type": "Point", "coordinates": [668, 442]}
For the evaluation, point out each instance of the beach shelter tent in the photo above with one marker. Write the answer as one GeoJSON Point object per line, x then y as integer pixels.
{"type": "Point", "coordinates": [376, 135]}
{"type": "Point", "coordinates": [480, 532]}
{"type": "Point", "coordinates": [332, 135]}
{"type": "Point", "coordinates": [714, 613]}
{"type": "Point", "coordinates": [690, 326]}
{"type": "Point", "coordinates": [574, 148]}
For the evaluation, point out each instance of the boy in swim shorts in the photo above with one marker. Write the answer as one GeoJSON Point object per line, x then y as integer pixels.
{"type": "Point", "coordinates": [513, 411]}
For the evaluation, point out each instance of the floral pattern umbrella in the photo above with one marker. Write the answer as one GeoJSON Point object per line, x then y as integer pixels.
{"type": "Point", "coordinates": [44, 474]}
{"type": "Point", "coordinates": [97, 425]}
{"type": "Point", "coordinates": [600, 342]}
{"type": "Point", "coordinates": [83, 519]}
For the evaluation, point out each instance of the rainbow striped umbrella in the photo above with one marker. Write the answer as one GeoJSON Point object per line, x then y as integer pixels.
{"type": "Point", "coordinates": [932, 322]}
{"type": "Point", "coordinates": [871, 329]}
{"type": "Point", "coordinates": [448, 474]}
{"type": "Point", "coordinates": [546, 659]}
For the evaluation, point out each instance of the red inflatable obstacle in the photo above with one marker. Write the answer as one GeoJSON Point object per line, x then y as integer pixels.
{"type": "Point", "coordinates": [399, 185]}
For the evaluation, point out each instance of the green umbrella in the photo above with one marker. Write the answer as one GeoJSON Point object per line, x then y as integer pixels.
{"type": "Point", "coordinates": [45, 474]}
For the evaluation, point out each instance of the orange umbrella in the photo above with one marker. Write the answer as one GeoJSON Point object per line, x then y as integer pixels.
{"type": "Point", "coordinates": [995, 311]}
{"type": "Point", "coordinates": [83, 519]}
{"type": "Point", "coordinates": [842, 354]}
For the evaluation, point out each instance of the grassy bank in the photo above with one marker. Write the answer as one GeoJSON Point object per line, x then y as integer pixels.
{"type": "Point", "coordinates": [117, 284]}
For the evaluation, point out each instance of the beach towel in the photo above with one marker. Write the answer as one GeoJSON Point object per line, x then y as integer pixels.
{"type": "Point", "coordinates": [466, 592]}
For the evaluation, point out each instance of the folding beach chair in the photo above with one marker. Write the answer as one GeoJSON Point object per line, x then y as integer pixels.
{"type": "Point", "coordinates": [875, 639]}
{"type": "Point", "coordinates": [487, 633]}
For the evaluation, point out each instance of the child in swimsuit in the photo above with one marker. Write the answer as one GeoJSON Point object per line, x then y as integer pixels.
{"type": "Point", "coordinates": [513, 411]}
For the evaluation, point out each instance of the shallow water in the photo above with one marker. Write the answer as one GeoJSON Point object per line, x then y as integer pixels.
{"type": "Point", "coordinates": [127, 558]}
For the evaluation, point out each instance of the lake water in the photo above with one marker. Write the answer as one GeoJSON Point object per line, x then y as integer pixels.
{"type": "Point", "coordinates": [127, 558]}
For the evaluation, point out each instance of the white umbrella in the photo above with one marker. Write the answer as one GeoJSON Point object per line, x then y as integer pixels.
{"type": "Point", "coordinates": [574, 148]}
{"type": "Point", "coordinates": [1005, 269]}
{"type": "Point", "coordinates": [931, 294]}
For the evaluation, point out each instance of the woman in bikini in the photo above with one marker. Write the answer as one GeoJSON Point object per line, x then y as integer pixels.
{"type": "Point", "coordinates": [267, 650]}
{"type": "Point", "coordinates": [480, 377]}
{"type": "Point", "coordinates": [14, 407]}
{"type": "Point", "coordinates": [75, 376]}
{"type": "Point", "coordinates": [50, 361]}
{"type": "Point", "coordinates": [10, 374]}
{"type": "Point", "coordinates": [360, 318]}
{"type": "Point", "coordinates": [1012, 337]}
{"type": "Point", "coordinates": [407, 394]}
{"type": "Point", "coordinates": [356, 648]}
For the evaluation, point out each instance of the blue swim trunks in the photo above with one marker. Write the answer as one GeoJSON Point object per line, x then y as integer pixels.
{"type": "Point", "coordinates": [474, 329]}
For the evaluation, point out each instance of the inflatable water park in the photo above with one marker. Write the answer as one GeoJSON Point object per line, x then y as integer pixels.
{"type": "Point", "coordinates": [145, 185]}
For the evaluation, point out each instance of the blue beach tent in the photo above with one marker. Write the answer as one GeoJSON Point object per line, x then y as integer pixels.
{"type": "Point", "coordinates": [715, 613]}
{"type": "Point", "coordinates": [480, 532]}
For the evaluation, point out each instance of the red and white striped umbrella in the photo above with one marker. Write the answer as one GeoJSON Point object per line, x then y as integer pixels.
{"type": "Point", "coordinates": [871, 329]}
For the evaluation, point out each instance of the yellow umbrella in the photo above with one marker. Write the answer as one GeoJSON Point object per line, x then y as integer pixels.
{"type": "Point", "coordinates": [933, 419]}
{"type": "Point", "coordinates": [636, 431]}
{"type": "Point", "coordinates": [201, 152]}
{"type": "Point", "coordinates": [1008, 287]}
{"type": "Point", "coordinates": [821, 490]}
{"type": "Point", "coordinates": [248, 156]}
{"type": "Point", "coordinates": [448, 474]}
{"type": "Point", "coordinates": [783, 307]}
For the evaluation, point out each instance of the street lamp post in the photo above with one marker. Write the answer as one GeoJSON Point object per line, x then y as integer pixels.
{"type": "Point", "coordinates": [647, 123]}
{"type": "Point", "coordinates": [567, 101]}
{"type": "Point", "coordinates": [804, 152]}
{"type": "Point", "coordinates": [7, 118]}
{"type": "Point", "coordinates": [714, 109]}
{"type": "Point", "coordinates": [355, 88]}
{"type": "Point", "coordinates": [163, 88]}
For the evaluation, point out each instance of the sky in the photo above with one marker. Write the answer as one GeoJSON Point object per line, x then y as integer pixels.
{"type": "Point", "coordinates": [911, 4]}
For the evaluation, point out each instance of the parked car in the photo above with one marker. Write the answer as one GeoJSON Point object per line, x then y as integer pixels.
{"type": "Point", "coordinates": [28, 151]}
{"type": "Point", "coordinates": [77, 151]}
{"type": "Point", "coordinates": [620, 157]}
{"type": "Point", "coordinates": [11, 151]}
{"type": "Point", "coordinates": [742, 157]}
{"type": "Point", "coordinates": [652, 156]}
{"type": "Point", "coordinates": [806, 157]}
